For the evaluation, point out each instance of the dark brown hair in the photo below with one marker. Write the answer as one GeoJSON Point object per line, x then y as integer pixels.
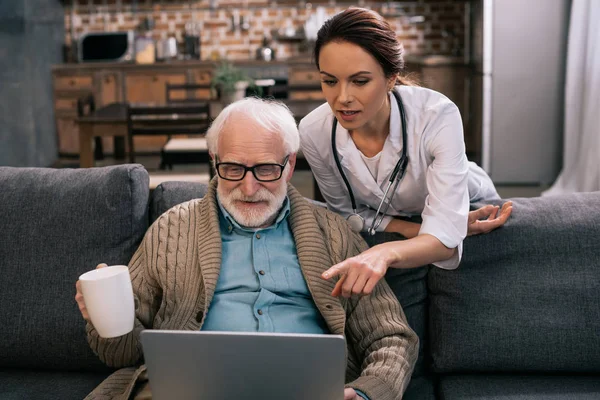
{"type": "Point", "coordinates": [367, 29]}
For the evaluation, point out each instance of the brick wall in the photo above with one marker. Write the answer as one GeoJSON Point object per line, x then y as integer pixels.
{"type": "Point", "coordinates": [423, 26]}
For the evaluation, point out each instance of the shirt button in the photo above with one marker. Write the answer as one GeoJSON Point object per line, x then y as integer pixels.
{"type": "Point", "coordinates": [260, 312]}
{"type": "Point", "coordinates": [258, 235]}
{"type": "Point", "coordinates": [230, 228]}
{"type": "Point", "coordinates": [261, 272]}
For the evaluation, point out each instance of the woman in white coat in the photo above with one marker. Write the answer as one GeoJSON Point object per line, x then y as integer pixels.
{"type": "Point", "coordinates": [378, 133]}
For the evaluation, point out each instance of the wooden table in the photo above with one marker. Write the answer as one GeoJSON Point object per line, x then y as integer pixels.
{"type": "Point", "coordinates": [110, 120]}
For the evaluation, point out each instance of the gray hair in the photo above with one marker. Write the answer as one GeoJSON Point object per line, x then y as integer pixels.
{"type": "Point", "coordinates": [273, 115]}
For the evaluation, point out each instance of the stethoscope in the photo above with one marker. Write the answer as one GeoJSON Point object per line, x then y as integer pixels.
{"type": "Point", "coordinates": [356, 221]}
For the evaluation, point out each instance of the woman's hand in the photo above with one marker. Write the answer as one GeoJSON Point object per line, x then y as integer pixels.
{"type": "Point", "coordinates": [360, 274]}
{"type": "Point", "coordinates": [478, 225]}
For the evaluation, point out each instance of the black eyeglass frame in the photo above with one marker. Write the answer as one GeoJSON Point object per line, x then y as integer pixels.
{"type": "Point", "coordinates": [253, 170]}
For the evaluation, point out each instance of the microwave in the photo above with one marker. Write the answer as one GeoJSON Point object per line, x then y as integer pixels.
{"type": "Point", "coordinates": [106, 47]}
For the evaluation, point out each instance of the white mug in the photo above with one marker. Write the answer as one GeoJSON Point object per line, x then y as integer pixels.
{"type": "Point", "coordinates": [108, 297]}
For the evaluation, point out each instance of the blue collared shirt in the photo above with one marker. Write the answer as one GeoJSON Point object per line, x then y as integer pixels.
{"type": "Point", "coordinates": [261, 287]}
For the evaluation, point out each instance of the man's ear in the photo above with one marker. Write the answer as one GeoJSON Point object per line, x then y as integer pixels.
{"type": "Point", "coordinates": [213, 162]}
{"type": "Point", "coordinates": [292, 164]}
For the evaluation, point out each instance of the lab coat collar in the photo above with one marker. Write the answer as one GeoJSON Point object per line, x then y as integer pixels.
{"type": "Point", "coordinates": [393, 145]}
{"type": "Point", "coordinates": [353, 165]}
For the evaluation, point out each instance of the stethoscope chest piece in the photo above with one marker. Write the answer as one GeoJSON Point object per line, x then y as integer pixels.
{"type": "Point", "coordinates": [357, 223]}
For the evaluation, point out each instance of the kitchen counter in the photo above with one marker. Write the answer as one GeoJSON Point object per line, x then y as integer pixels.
{"type": "Point", "coordinates": [175, 64]}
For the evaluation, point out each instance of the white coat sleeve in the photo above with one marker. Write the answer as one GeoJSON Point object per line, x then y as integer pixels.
{"type": "Point", "coordinates": [446, 211]}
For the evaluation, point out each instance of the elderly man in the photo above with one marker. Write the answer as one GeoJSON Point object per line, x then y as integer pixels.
{"type": "Point", "coordinates": [254, 231]}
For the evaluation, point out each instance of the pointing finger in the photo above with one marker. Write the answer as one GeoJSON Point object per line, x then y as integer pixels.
{"type": "Point", "coordinates": [337, 269]}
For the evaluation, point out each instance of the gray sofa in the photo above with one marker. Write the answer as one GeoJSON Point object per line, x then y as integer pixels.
{"type": "Point", "coordinates": [519, 319]}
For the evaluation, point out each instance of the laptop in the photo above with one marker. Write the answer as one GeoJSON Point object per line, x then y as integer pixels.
{"type": "Point", "coordinates": [210, 365]}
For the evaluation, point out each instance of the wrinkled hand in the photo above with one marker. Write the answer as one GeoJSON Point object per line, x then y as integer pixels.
{"type": "Point", "coordinates": [79, 297]}
{"type": "Point", "coordinates": [359, 274]}
{"type": "Point", "coordinates": [494, 220]}
{"type": "Point", "coordinates": [350, 394]}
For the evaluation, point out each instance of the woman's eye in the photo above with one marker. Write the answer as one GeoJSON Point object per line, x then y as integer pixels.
{"type": "Point", "coordinates": [361, 82]}
{"type": "Point", "coordinates": [329, 82]}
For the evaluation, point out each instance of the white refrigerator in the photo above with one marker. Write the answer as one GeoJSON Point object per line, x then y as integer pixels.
{"type": "Point", "coordinates": [518, 52]}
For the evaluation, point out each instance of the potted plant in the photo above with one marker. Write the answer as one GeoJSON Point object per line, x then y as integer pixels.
{"type": "Point", "coordinates": [231, 83]}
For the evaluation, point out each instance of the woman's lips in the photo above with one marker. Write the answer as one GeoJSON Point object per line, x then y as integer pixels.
{"type": "Point", "coordinates": [348, 115]}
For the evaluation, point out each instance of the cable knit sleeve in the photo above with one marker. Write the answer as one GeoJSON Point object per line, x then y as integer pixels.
{"type": "Point", "coordinates": [377, 329]}
{"type": "Point", "coordinates": [124, 351]}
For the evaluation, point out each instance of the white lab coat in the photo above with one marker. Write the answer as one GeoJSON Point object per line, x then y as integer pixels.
{"type": "Point", "coordinates": [439, 180]}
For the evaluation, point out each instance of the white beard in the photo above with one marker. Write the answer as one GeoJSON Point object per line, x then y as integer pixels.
{"type": "Point", "coordinates": [251, 218]}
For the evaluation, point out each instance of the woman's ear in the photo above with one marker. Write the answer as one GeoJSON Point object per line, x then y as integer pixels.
{"type": "Point", "coordinates": [392, 82]}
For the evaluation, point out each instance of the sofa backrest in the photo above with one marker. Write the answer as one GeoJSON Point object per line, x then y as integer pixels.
{"type": "Point", "coordinates": [57, 224]}
{"type": "Point", "coordinates": [169, 194]}
{"type": "Point", "coordinates": [526, 297]}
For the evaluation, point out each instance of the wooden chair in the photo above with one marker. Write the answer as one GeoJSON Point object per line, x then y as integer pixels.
{"type": "Point", "coordinates": [186, 150]}
{"type": "Point", "coordinates": [172, 119]}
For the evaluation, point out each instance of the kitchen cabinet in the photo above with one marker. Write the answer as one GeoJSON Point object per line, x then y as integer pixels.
{"type": "Point", "coordinates": [201, 77]}
{"type": "Point", "coordinates": [304, 82]}
{"type": "Point", "coordinates": [149, 87]}
{"type": "Point", "coordinates": [119, 82]}
{"type": "Point", "coordinates": [108, 86]}
{"type": "Point", "coordinates": [68, 87]}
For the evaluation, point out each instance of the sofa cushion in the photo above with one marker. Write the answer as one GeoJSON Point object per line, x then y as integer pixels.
{"type": "Point", "coordinates": [518, 387]}
{"type": "Point", "coordinates": [47, 385]}
{"type": "Point", "coordinates": [57, 224]}
{"type": "Point", "coordinates": [526, 296]}
{"type": "Point", "coordinates": [410, 287]}
{"type": "Point", "coordinates": [169, 194]}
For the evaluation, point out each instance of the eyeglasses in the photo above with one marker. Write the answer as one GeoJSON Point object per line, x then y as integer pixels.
{"type": "Point", "coordinates": [261, 172]}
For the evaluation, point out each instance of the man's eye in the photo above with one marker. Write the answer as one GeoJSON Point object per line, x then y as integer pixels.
{"type": "Point", "coordinates": [265, 170]}
{"type": "Point", "coordinates": [232, 169]}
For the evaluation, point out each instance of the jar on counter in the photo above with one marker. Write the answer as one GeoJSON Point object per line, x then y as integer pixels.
{"type": "Point", "coordinates": [145, 49]}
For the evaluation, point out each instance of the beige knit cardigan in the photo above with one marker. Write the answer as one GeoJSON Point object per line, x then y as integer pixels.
{"type": "Point", "coordinates": [175, 270]}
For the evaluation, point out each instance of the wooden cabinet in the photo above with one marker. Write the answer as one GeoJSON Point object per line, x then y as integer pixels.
{"type": "Point", "coordinates": [67, 89]}
{"type": "Point", "coordinates": [73, 82]}
{"type": "Point", "coordinates": [201, 77]}
{"type": "Point", "coordinates": [109, 88]}
{"type": "Point", "coordinates": [68, 136]}
{"type": "Point", "coordinates": [304, 82]}
{"type": "Point", "coordinates": [149, 87]}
